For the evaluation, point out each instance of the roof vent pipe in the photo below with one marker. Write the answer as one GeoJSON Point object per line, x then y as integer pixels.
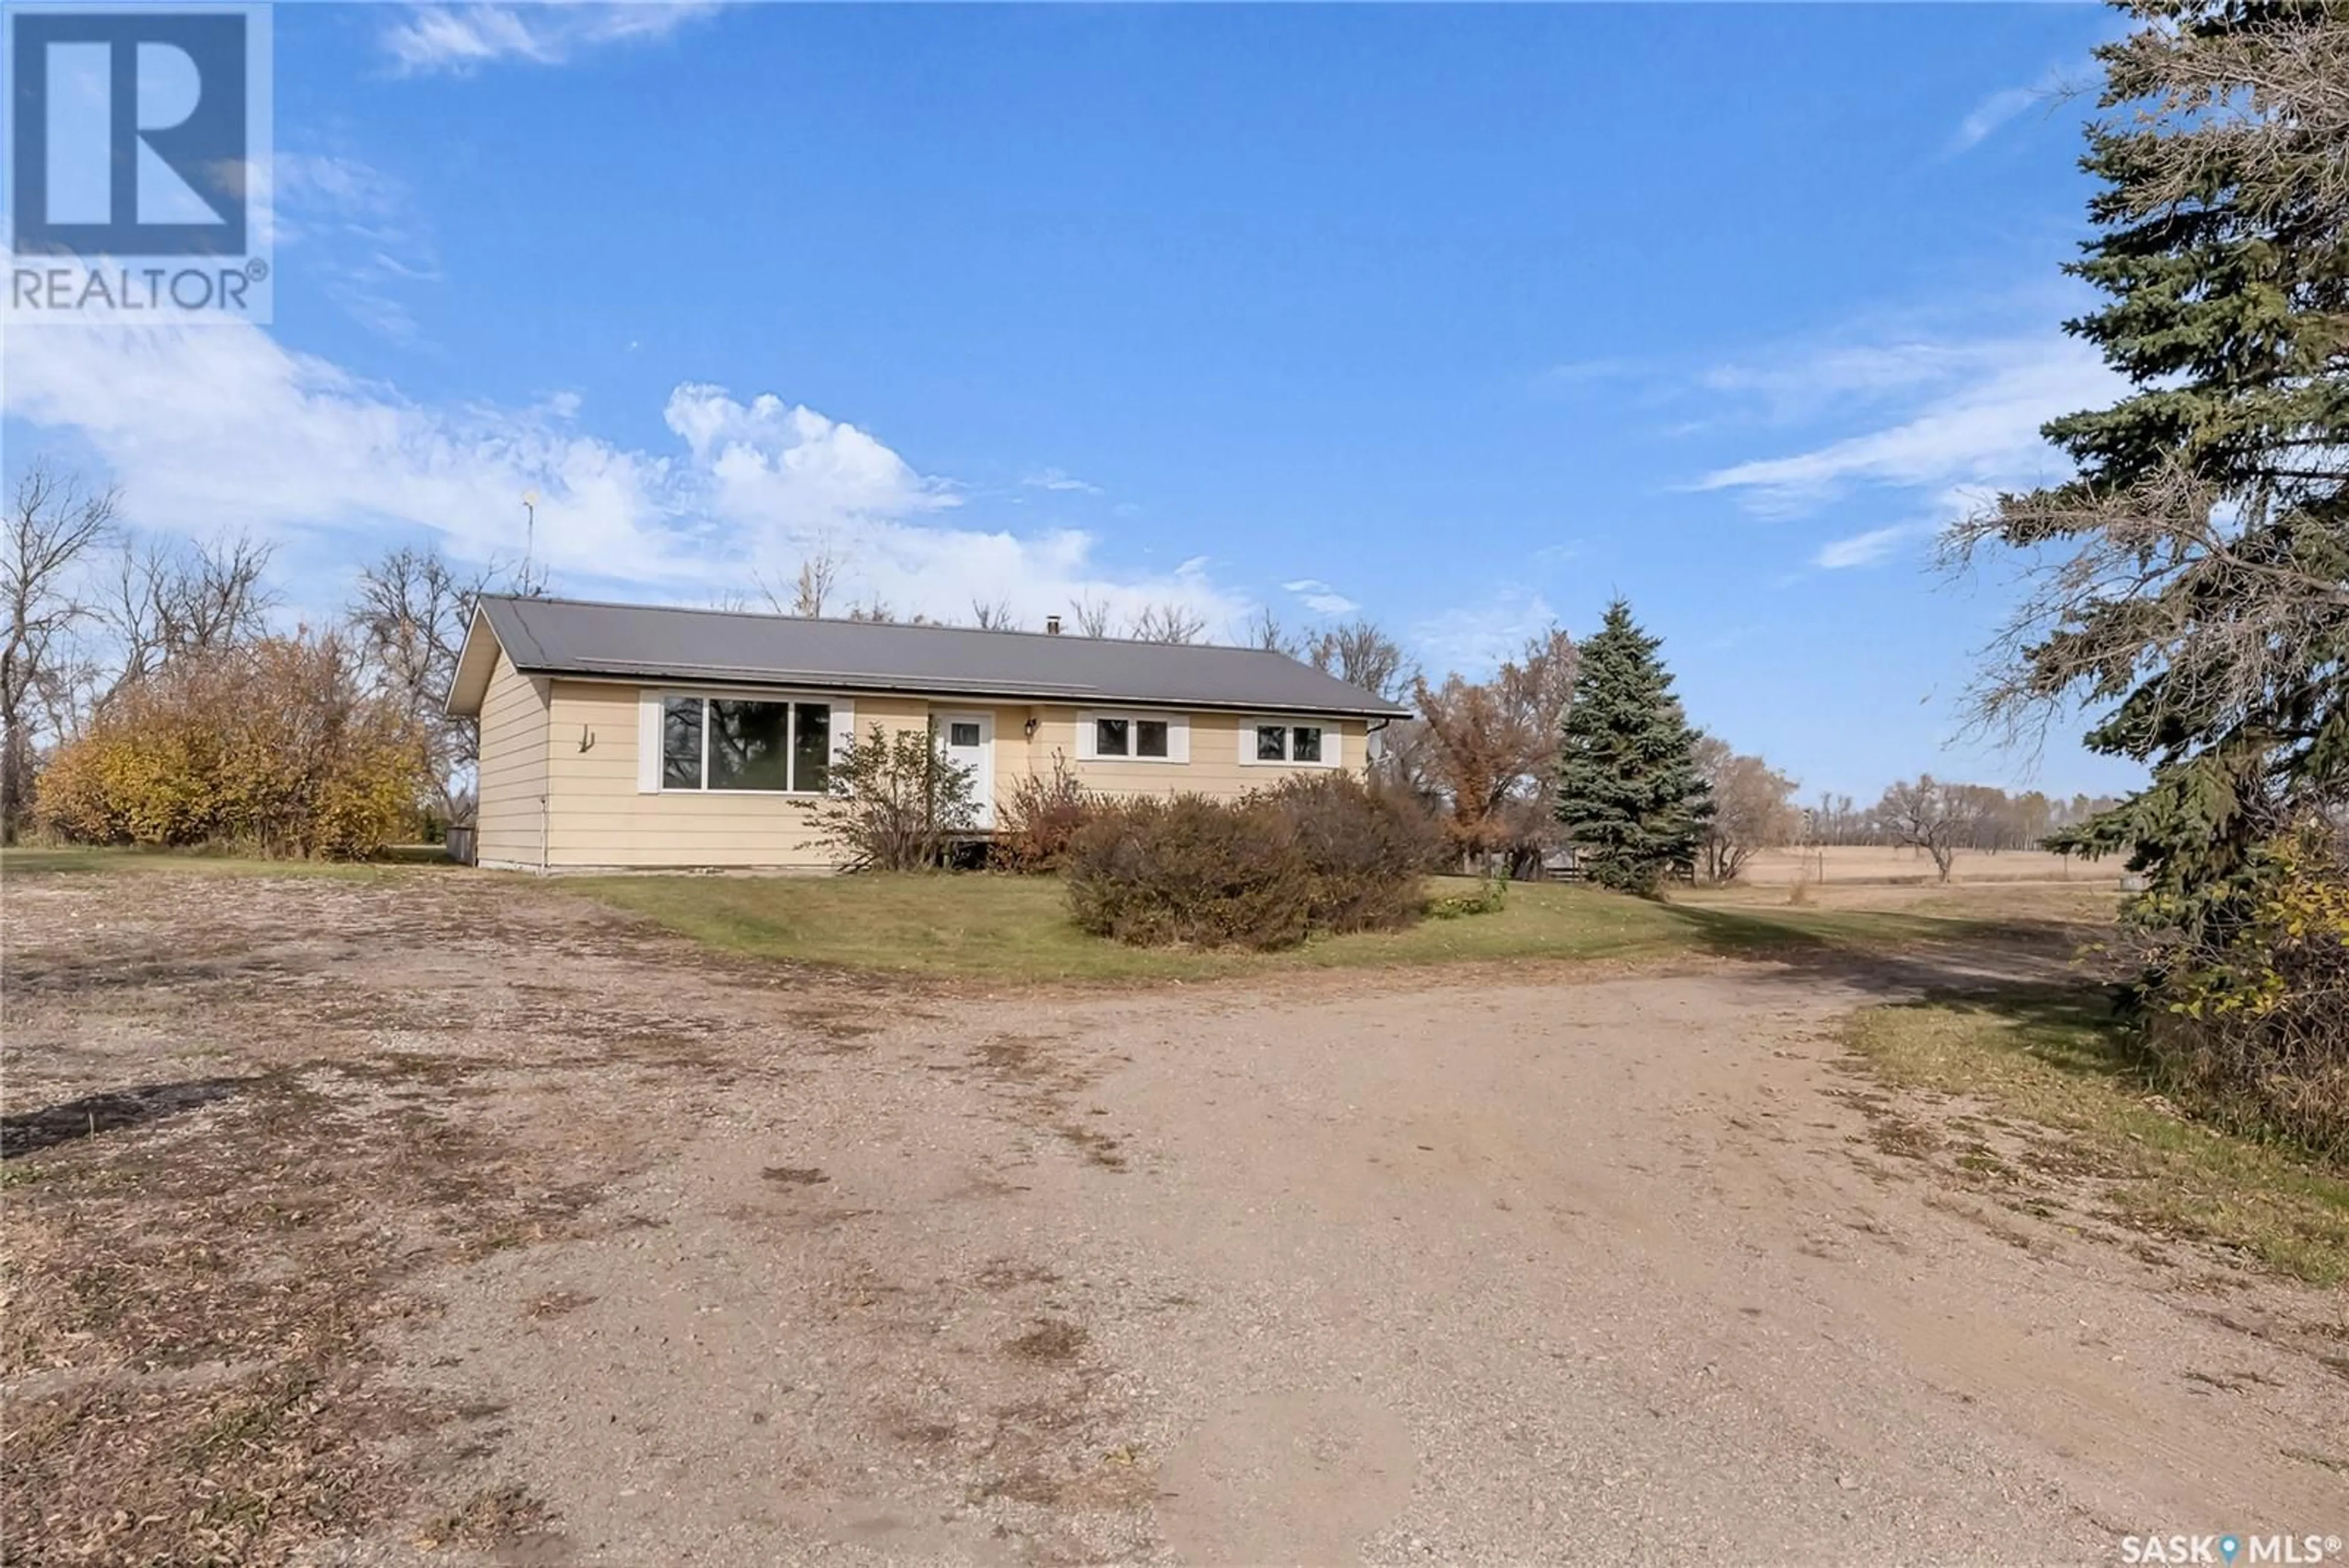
{"type": "Point", "coordinates": [1052, 625]}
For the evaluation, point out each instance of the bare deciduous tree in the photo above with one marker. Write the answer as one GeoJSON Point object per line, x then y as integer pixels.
{"type": "Point", "coordinates": [1265, 631]}
{"type": "Point", "coordinates": [1999, 820]}
{"type": "Point", "coordinates": [54, 521]}
{"type": "Point", "coordinates": [171, 599]}
{"type": "Point", "coordinates": [1091, 616]}
{"type": "Point", "coordinates": [1362, 655]}
{"type": "Point", "coordinates": [810, 588]}
{"type": "Point", "coordinates": [1487, 750]}
{"type": "Point", "coordinates": [1928, 815]}
{"type": "Point", "coordinates": [993, 617]}
{"type": "Point", "coordinates": [409, 618]}
{"type": "Point", "coordinates": [1752, 808]}
{"type": "Point", "coordinates": [1169, 622]}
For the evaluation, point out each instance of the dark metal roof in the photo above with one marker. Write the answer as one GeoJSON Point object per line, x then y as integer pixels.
{"type": "Point", "coordinates": [574, 637]}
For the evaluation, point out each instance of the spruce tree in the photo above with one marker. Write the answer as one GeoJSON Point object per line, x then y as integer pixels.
{"type": "Point", "coordinates": [2193, 578]}
{"type": "Point", "coordinates": [1630, 793]}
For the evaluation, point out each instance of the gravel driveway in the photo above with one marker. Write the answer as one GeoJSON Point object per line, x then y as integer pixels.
{"type": "Point", "coordinates": [603, 1250]}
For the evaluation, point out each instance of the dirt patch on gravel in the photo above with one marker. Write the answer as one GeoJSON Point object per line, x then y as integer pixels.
{"type": "Point", "coordinates": [242, 1122]}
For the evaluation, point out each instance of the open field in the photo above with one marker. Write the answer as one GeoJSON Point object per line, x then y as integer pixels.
{"type": "Point", "coordinates": [438, 1217]}
{"type": "Point", "coordinates": [1883, 862]}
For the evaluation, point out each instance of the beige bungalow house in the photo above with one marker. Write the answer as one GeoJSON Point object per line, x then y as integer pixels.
{"type": "Point", "coordinates": [632, 736]}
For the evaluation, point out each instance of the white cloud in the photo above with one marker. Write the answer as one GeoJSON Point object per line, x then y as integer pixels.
{"type": "Point", "coordinates": [221, 427]}
{"type": "Point", "coordinates": [1990, 114]}
{"type": "Point", "coordinates": [1476, 639]}
{"type": "Point", "coordinates": [785, 469]}
{"type": "Point", "coordinates": [1970, 424]}
{"type": "Point", "coordinates": [2057, 85]}
{"type": "Point", "coordinates": [357, 229]}
{"type": "Point", "coordinates": [1866, 549]}
{"type": "Point", "coordinates": [463, 37]}
{"type": "Point", "coordinates": [1320, 597]}
{"type": "Point", "coordinates": [1059, 479]}
{"type": "Point", "coordinates": [216, 428]}
{"type": "Point", "coordinates": [1792, 384]}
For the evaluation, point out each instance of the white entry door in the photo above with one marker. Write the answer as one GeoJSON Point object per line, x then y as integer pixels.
{"type": "Point", "coordinates": [969, 742]}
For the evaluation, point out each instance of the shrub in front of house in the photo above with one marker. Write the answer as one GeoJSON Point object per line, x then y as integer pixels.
{"type": "Point", "coordinates": [1368, 849]}
{"type": "Point", "coordinates": [275, 747]}
{"type": "Point", "coordinates": [895, 802]}
{"type": "Point", "coordinates": [1040, 819]}
{"type": "Point", "coordinates": [1311, 856]}
{"type": "Point", "coordinates": [1190, 870]}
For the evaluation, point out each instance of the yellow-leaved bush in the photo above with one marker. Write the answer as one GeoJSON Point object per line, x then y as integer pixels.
{"type": "Point", "coordinates": [2262, 1026]}
{"type": "Point", "coordinates": [276, 746]}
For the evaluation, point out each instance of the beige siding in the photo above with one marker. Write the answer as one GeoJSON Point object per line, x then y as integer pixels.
{"type": "Point", "coordinates": [599, 816]}
{"type": "Point", "coordinates": [1215, 768]}
{"type": "Point", "coordinates": [512, 770]}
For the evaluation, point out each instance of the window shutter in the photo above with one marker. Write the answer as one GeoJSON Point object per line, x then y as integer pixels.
{"type": "Point", "coordinates": [1085, 739]}
{"type": "Point", "coordinates": [1331, 735]}
{"type": "Point", "coordinates": [649, 742]}
{"type": "Point", "coordinates": [1178, 737]}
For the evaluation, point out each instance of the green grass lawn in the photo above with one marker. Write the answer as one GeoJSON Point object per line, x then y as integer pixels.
{"type": "Point", "coordinates": [1017, 929]}
{"type": "Point", "coordinates": [2056, 1057]}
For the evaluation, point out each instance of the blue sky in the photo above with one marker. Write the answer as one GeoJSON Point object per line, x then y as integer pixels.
{"type": "Point", "coordinates": [1469, 318]}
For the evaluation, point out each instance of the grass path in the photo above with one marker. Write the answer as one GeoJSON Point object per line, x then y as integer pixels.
{"type": "Point", "coordinates": [2031, 1062]}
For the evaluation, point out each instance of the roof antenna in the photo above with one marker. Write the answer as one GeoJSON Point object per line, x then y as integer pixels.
{"type": "Point", "coordinates": [529, 534]}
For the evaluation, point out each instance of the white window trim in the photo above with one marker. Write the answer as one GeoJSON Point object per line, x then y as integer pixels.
{"type": "Point", "coordinates": [1179, 736]}
{"type": "Point", "coordinates": [651, 735]}
{"type": "Point", "coordinates": [1332, 739]}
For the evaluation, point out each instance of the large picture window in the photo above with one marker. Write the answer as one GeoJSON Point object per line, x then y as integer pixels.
{"type": "Point", "coordinates": [729, 743]}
